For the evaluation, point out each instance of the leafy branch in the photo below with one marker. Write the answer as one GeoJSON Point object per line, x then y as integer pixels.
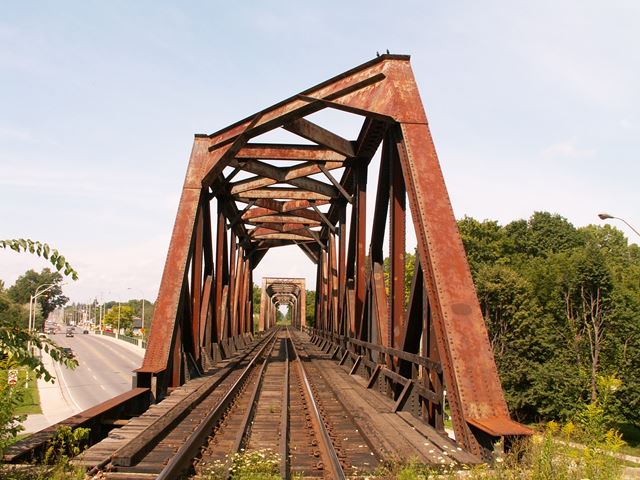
{"type": "Point", "coordinates": [14, 343]}
{"type": "Point", "coordinates": [42, 250]}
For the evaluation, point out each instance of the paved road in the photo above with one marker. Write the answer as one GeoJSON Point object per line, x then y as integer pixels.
{"type": "Point", "coordinates": [105, 369]}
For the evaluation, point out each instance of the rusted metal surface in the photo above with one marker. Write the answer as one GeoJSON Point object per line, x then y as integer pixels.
{"type": "Point", "coordinates": [100, 419]}
{"type": "Point", "coordinates": [315, 197]}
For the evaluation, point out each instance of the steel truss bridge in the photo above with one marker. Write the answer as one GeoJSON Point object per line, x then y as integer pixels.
{"type": "Point", "coordinates": [242, 197]}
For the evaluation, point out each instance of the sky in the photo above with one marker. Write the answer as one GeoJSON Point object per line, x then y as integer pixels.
{"type": "Point", "coordinates": [533, 106]}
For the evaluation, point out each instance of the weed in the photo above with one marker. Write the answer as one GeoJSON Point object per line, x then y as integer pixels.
{"type": "Point", "coordinates": [254, 465]}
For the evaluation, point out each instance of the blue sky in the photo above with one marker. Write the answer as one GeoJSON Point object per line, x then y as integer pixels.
{"type": "Point", "coordinates": [532, 106]}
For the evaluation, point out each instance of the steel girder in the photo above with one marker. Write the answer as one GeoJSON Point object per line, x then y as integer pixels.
{"type": "Point", "coordinates": [290, 195]}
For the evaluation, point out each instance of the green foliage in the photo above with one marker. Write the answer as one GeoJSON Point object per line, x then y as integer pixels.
{"type": "Point", "coordinates": [66, 443]}
{"type": "Point", "coordinates": [14, 343]}
{"type": "Point", "coordinates": [409, 268]}
{"type": "Point", "coordinates": [10, 424]}
{"type": "Point", "coordinates": [412, 469]}
{"type": "Point", "coordinates": [552, 455]}
{"type": "Point", "coordinates": [594, 419]}
{"type": "Point", "coordinates": [27, 284]}
{"type": "Point", "coordinates": [562, 306]}
{"type": "Point", "coordinates": [121, 315]}
{"type": "Point", "coordinates": [256, 296]}
{"type": "Point", "coordinates": [10, 312]}
{"type": "Point", "coordinates": [17, 344]}
{"type": "Point", "coordinates": [136, 308]}
{"type": "Point", "coordinates": [42, 250]}
{"type": "Point", "coordinates": [486, 242]}
{"type": "Point", "coordinates": [30, 396]}
{"type": "Point", "coordinates": [310, 307]}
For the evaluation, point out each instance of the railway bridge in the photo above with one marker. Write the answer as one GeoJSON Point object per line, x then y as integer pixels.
{"type": "Point", "coordinates": [364, 377]}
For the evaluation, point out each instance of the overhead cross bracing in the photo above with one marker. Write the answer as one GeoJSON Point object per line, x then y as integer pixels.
{"type": "Point", "coordinates": [241, 197]}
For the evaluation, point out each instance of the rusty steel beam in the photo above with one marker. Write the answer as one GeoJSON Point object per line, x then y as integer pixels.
{"type": "Point", "coordinates": [397, 247]}
{"type": "Point", "coordinates": [281, 193]}
{"type": "Point", "coordinates": [282, 219]}
{"type": "Point", "coordinates": [296, 176]}
{"type": "Point", "coordinates": [295, 107]}
{"type": "Point", "coordinates": [321, 136]}
{"type": "Point", "coordinates": [270, 175]}
{"type": "Point", "coordinates": [276, 151]}
{"type": "Point", "coordinates": [287, 206]}
{"type": "Point", "coordinates": [283, 236]}
{"type": "Point", "coordinates": [281, 227]}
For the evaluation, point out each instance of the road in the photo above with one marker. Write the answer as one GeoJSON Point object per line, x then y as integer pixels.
{"type": "Point", "coordinates": [105, 369]}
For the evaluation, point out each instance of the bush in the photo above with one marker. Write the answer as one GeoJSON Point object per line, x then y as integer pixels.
{"type": "Point", "coordinates": [10, 423]}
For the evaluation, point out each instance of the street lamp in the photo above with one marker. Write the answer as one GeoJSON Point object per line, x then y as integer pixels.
{"type": "Point", "coordinates": [606, 216]}
{"type": "Point", "coordinates": [32, 302]}
{"type": "Point", "coordinates": [118, 332]}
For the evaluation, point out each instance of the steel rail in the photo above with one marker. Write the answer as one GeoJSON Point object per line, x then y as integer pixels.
{"type": "Point", "coordinates": [192, 444]}
{"type": "Point", "coordinates": [242, 430]}
{"type": "Point", "coordinates": [107, 460]}
{"type": "Point", "coordinates": [284, 419]}
{"type": "Point", "coordinates": [327, 445]}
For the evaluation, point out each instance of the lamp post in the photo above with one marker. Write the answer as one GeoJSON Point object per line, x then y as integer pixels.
{"type": "Point", "coordinates": [118, 331]}
{"type": "Point", "coordinates": [606, 216]}
{"type": "Point", "coordinates": [32, 301]}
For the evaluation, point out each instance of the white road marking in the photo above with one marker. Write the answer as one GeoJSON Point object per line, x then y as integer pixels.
{"type": "Point", "coordinates": [64, 382]}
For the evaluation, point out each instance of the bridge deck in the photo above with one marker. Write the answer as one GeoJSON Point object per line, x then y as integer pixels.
{"type": "Point", "coordinates": [360, 421]}
{"type": "Point", "coordinates": [397, 434]}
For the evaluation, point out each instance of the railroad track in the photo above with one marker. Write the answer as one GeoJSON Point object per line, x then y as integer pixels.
{"type": "Point", "coordinates": [286, 413]}
{"type": "Point", "coordinates": [271, 400]}
{"type": "Point", "coordinates": [147, 446]}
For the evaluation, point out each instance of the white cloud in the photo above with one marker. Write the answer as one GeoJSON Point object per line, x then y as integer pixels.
{"type": "Point", "coordinates": [567, 149]}
{"type": "Point", "coordinates": [15, 134]}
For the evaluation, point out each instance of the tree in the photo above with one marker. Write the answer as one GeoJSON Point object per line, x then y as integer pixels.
{"type": "Point", "coordinates": [119, 315]}
{"type": "Point", "coordinates": [484, 242]}
{"type": "Point", "coordinates": [257, 298]}
{"type": "Point", "coordinates": [136, 308]}
{"type": "Point", "coordinates": [562, 308]}
{"type": "Point", "coordinates": [27, 284]}
{"type": "Point", "coordinates": [310, 308]}
{"type": "Point", "coordinates": [16, 341]}
{"type": "Point", "coordinates": [545, 233]}
{"type": "Point", "coordinates": [10, 312]}
{"type": "Point", "coordinates": [587, 294]}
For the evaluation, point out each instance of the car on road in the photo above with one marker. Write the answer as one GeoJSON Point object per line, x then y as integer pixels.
{"type": "Point", "coordinates": [69, 333]}
{"type": "Point", "coordinates": [85, 331]}
{"type": "Point", "coordinates": [68, 351]}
